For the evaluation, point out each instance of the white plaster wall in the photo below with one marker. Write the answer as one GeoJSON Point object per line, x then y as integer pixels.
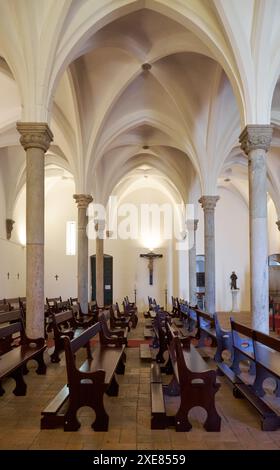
{"type": "Point", "coordinates": [12, 257]}
{"type": "Point", "coordinates": [273, 232]}
{"type": "Point", "coordinates": [13, 262]}
{"type": "Point", "coordinates": [2, 209]}
{"type": "Point", "coordinates": [232, 248]}
{"type": "Point", "coordinates": [232, 251]}
{"type": "Point", "coordinates": [60, 208]}
{"type": "Point", "coordinates": [131, 271]}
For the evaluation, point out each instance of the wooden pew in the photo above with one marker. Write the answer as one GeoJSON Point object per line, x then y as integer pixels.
{"type": "Point", "coordinates": [64, 324]}
{"type": "Point", "coordinates": [4, 307]}
{"type": "Point", "coordinates": [117, 336]}
{"type": "Point", "coordinates": [13, 302]}
{"type": "Point", "coordinates": [119, 321]}
{"type": "Point", "coordinates": [262, 354]}
{"type": "Point", "coordinates": [129, 304]}
{"type": "Point", "coordinates": [267, 358]}
{"type": "Point", "coordinates": [224, 342]}
{"type": "Point", "coordinates": [175, 306]}
{"type": "Point", "coordinates": [86, 384]}
{"type": "Point", "coordinates": [13, 362]}
{"type": "Point", "coordinates": [7, 318]}
{"type": "Point", "coordinates": [22, 306]}
{"type": "Point", "coordinates": [51, 303]}
{"type": "Point", "coordinates": [128, 312]}
{"type": "Point", "coordinates": [192, 381]}
{"type": "Point", "coordinates": [205, 328]}
{"type": "Point", "coordinates": [158, 412]}
{"type": "Point", "coordinates": [88, 318]}
{"type": "Point", "coordinates": [151, 311]}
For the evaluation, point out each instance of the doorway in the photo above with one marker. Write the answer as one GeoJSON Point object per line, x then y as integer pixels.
{"type": "Point", "coordinates": [108, 278]}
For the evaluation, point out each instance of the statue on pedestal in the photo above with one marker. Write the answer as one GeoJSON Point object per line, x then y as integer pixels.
{"type": "Point", "coordinates": [233, 279]}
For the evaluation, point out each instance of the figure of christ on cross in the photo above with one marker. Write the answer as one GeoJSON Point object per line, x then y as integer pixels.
{"type": "Point", "coordinates": [150, 256]}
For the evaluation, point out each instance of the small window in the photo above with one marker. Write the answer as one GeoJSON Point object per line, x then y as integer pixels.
{"type": "Point", "coordinates": [71, 238]}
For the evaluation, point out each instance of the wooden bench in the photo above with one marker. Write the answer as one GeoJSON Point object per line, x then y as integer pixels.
{"type": "Point", "coordinates": [13, 302]}
{"type": "Point", "coordinates": [159, 418]}
{"type": "Point", "coordinates": [86, 384]}
{"type": "Point", "coordinates": [4, 308]}
{"type": "Point", "coordinates": [51, 303]}
{"type": "Point", "coordinates": [242, 350]}
{"type": "Point", "coordinates": [129, 312]}
{"type": "Point", "coordinates": [13, 362]}
{"type": "Point", "coordinates": [6, 318]}
{"type": "Point", "coordinates": [224, 341]}
{"type": "Point", "coordinates": [193, 382]}
{"type": "Point", "coordinates": [175, 306]}
{"type": "Point", "coordinates": [161, 335]}
{"type": "Point", "coordinates": [188, 317]}
{"type": "Point", "coordinates": [151, 313]}
{"type": "Point", "coordinates": [205, 328]}
{"type": "Point", "coordinates": [118, 322]}
{"type": "Point", "coordinates": [262, 354]}
{"type": "Point", "coordinates": [117, 336]}
{"type": "Point", "coordinates": [64, 324]}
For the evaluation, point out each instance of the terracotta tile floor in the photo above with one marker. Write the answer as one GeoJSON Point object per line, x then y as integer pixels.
{"type": "Point", "coordinates": [129, 426]}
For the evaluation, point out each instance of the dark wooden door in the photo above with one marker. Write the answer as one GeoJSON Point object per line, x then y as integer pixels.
{"type": "Point", "coordinates": [108, 278]}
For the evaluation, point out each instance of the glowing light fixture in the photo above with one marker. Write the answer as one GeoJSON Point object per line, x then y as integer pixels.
{"type": "Point", "coordinates": [151, 240]}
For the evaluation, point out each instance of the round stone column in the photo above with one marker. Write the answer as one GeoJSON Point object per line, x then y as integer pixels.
{"type": "Point", "coordinates": [192, 227]}
{"type": "Point", "coordinates": [35, 139]}
{"type": "Point", "coordinates": [208, 204]}
{"type": "Point", "coordinates": [255, 141]}
{"type": "Point", "coordinates": [83, 200]}
{"type": "Point", "coordinates": [100, 229]}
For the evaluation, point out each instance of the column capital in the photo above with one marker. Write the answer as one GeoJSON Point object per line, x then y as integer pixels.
{"type": "Point", "coordinates": [35, 135]}
{"type": "Point", "coordinates": [208, 202]}
{"type": "Point", "coordinates": [278, 224]}
{"type": "Point", "coordinates": [192, 224]}
{"type": "Point", "coordinates": [254, 137]}
{"type": "Point", "coordinates": [83, 200]}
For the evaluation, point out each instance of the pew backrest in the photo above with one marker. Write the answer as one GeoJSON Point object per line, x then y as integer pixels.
{"type": "Point", "coordinates": [242, 339]}
{"type": "Point", "coordinates": [267, 351]}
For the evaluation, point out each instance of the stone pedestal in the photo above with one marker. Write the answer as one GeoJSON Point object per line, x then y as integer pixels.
{"type": "Point", "coordinates": [255, 141]}
{"type": "Point", "coordinates": [35, 139]}
{"type": "Point", "coordinates": [83, 200]}
{"type": "Point", "coordinates": [208, 204]}
{"type": "Point", "coordinates": [234, 293]}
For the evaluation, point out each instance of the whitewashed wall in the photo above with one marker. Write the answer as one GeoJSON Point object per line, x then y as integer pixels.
{"type": "Point", "coordinates": [171, 272]}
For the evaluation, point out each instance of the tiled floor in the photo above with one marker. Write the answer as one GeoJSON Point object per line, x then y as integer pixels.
{"type": "Point", "coordinates": [129, 426]}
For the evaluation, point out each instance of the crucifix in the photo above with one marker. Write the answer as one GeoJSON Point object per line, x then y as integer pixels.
{"type": "Point", "coordinates": [56, 277]}
{"type": "Point", "coordinates": [150, 256]}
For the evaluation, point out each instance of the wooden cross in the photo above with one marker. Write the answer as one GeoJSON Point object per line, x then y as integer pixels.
{"type": "Point", "coordinates": [150, 256]}
{"type": "Point", "coordinates": [56, 277]}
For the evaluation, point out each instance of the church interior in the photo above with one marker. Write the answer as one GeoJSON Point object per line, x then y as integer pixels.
{"type": "Point", "coordinates": [139, 225]}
